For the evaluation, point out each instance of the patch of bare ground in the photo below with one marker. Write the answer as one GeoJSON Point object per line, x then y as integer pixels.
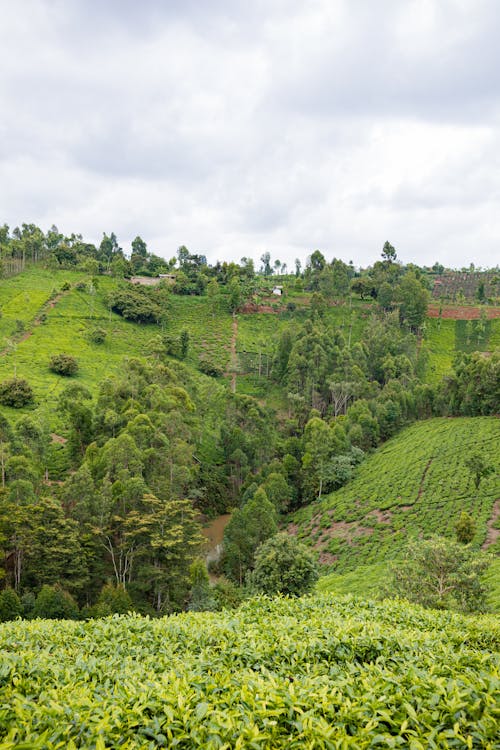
{"type": "Point", "coordinates": [58, 438]}
{"type": "Point", "coordinates": [382, 516]}
{"type": "Point", "coordinates": [326, 558]}
{"type": "Point", "coordinates": [456, 312]}
{"type": "Point", "coordinates": [492, 533]}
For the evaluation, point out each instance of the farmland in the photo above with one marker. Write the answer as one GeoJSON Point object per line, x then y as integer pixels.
{"type": "Point", "coordinates": [319, 672]}
{"type": "Point", "coordinates": [415, 484]}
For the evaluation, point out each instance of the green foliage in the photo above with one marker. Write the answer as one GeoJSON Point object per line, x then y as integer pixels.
{"type": "Point", "coordinates": [53, 603]}
{"type": "Point", "coordinates": [284, 566]}
{"type": "Point", "coordinates": [10, 605]}
{"type": "Point", "coordinates": [322, 672]}
{"type": "Point", "coordinates": [478, 467]}
{"type": "Point", "coordinates": [441, 573]}
{"type": "Point", "coordinates": [113, 600]}
{"type": "Point", "coordinates": [249, 526]}
{"type": "Point", "coordinates": [465, 528]}
{"type": "Point", "coordinates": [16, 392]}
{"type": "Point", "coordinates": [200, 598]}
{"type": "Point", "coordinates": [98, 335]}
{"type": "Point", "coordinates": [63, 364]}
{"type": "Point", "coordinates": [136, 303]}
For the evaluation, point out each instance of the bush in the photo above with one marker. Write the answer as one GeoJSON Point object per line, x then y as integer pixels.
{"type": "Point", "coordinates": [16, 392]}
{"type": "Point", "coordinates": [10, 605]}
{"type": "Point", "coordinates": [113, 600]}
{"type": "Point", "coordinates": [66, 286]}
{"type": "Point", "coordinates": [54, 603]}
{"type": "Point", "coordinates": [63, 364]}
{"type": "Point", "coordinates": [98, 335]}
{"type": "Point", "coordinates": [210, 368]}
{"type": "Point", "coordinates": [284, 565]}
{"type": "Point", "coordinates": [136, 303]}
{"type": "Point", "coordinates": [81, 286]}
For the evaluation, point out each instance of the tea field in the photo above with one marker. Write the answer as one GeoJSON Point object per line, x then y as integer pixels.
{"type": "Point", "coordinates": [415, 484]}
{"type": "Point", "coordinates": [317, 672]}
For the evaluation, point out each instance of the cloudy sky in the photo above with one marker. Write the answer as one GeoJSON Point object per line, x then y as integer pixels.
{"type": "Point", "coordinates": [240, 126]}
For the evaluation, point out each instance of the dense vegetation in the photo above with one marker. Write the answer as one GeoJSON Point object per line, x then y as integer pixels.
{"type": "Point", "coordinates": [203, 392]}
{"type": "Point", "coordinates": [318, 672]}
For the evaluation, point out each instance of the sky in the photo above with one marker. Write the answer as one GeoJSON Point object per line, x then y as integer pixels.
{"type": "Point", "coordinates": [237, 127]}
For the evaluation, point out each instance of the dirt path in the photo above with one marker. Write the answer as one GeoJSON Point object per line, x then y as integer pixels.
{"type": "Point", "coordinates": [421, 487]}
{"type": "Point", "coordinates": [234, 360]}
{"type": "Point", "coordinates": [492, 534]}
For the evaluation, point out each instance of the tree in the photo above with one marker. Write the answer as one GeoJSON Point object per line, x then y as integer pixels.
{"type": "Point", "coordinates": [441, 573]}
{"type": "Point", "coordinates": [388, 252]}
{"type": "Point", "coordinates": [53, 603]}
{"type": "Point", "coordinates": [16, 392]}
{"type": "Point", "coordinates": [184, 342]}
{"type": "Point", "coordinates": [478, 468]}
{"type": "Point", "coordinates": [113, 600]}
{"type": "Point", "coordinates": [200, 598]}
{"type": "Point", "coordinates": [465, 528]}
{"type": "Point", "coordinates": [265, 259]}
{"type": "Point", "coordinates": [413, 300]}
{"type": "Point", "coordinates": [284, 565]}
{"type": "Point", "coordinates": [247, 529]}
{"type": "Point", "coordinates": [10, 605]}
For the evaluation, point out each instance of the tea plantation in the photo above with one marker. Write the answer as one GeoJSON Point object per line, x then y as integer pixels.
{"type": "Point", "coordinates": [317, 672]}
{"type": "Point", "coordinates": [417, 483]}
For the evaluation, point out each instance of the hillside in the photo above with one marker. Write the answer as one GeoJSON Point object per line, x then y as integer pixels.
{"type": "Point", "coordinates": [415, 484]}
{"type": "Point", "coordinates": [318, 672]}
{"type": "Point", "coordinates": [46, 312]}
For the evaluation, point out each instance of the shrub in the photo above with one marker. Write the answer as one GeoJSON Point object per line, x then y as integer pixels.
{"type": "Point", "coordinates": [54, 603]}
{"type": "Point", "coordinates": [81, 286]}
{"type": "Point", "coordinates": [136, 303]}
{"type": "Point", "coordinates": [284, 565]}
{"type": "Point", "coordinates": [16, 392]}
{"type": "Point", "coordinates": [10, 605]}
{"type": "Point", "coordinates": [98, 335]}
{"type": "Point", "coordinates": [66, 286]}
{"type": "Point", "coordinates": [210, 368]}
{"type": "Point", "coordinates": [113, 600]}
{"type": "Point", "coordinates": [63, 364]}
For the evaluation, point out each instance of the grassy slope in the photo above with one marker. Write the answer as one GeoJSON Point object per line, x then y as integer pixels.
{"type": "Point", "coordinates": [318, 672]}
{"type": "Point", "coordinates": [69, 322]}
{"type": "Point", "coordinates": [416, 483]}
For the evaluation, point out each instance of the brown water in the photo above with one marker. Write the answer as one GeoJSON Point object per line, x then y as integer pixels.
{"type": "Point", "coordinates": [213, 532]}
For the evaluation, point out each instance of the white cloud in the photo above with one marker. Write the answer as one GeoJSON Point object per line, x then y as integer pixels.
{"type": "Point", "coordinates": [234, 128]}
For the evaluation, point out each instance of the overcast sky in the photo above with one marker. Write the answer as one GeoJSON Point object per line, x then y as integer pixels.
{"type": "Point", "coordinates": [239, 126]}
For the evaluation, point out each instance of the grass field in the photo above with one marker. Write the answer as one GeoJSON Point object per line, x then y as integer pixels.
{"type": "Point", "coordinates": [68, 317]}
{"type": "Point", "coordinates": [415, 484]}
{"type": "Point", "coordinates": [319, 672]}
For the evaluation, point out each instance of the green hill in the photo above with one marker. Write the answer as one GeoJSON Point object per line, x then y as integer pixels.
{"type": "Point", "coordinates": [318, 672]}
{"type": "Point", "coordinates": [415, 484]}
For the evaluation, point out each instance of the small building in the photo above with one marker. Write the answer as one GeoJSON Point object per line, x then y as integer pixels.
{"type": "Point", "coordinates": [278, 291]}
